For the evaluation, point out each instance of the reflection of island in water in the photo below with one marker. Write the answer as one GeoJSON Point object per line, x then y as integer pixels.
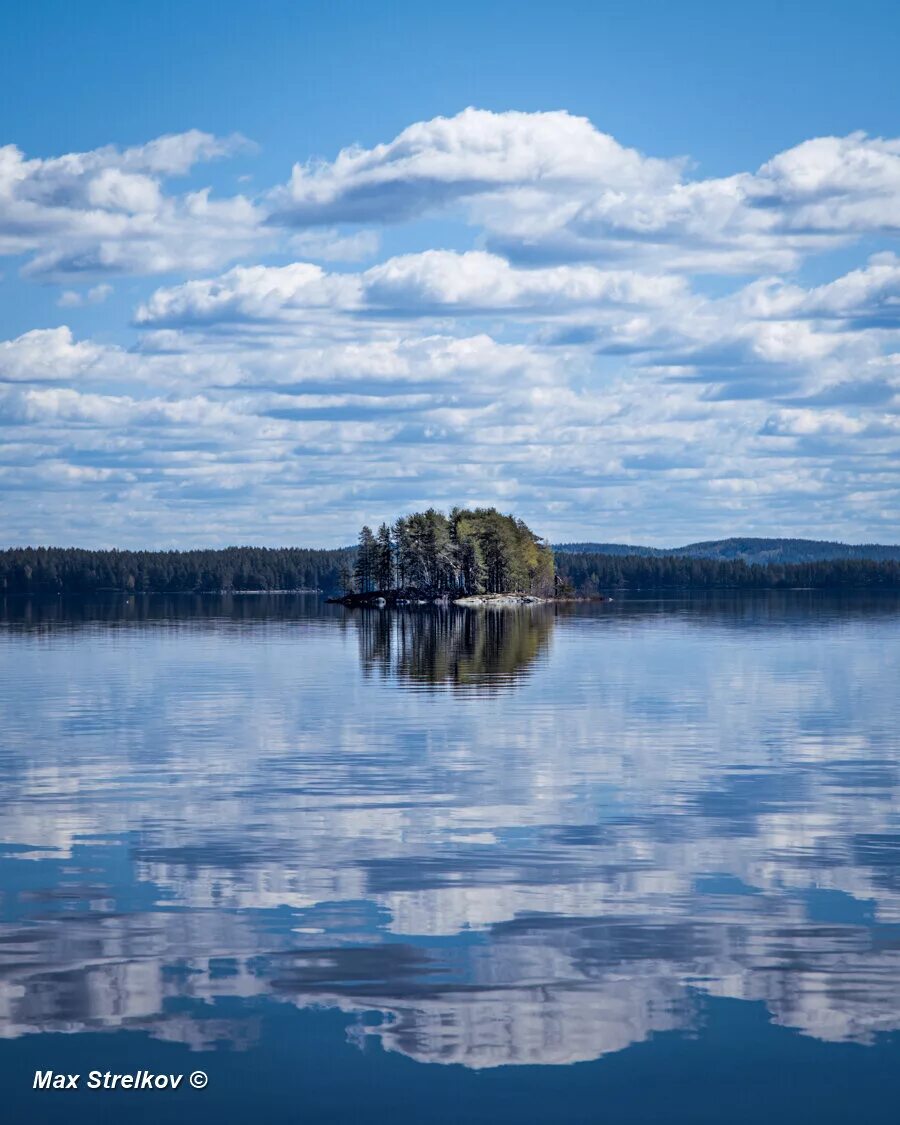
{"type": "Point", "coordinates": [453, 645]}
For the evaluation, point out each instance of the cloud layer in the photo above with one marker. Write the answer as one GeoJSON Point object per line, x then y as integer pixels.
{"type": "Point", "coordinates": [614, 346]}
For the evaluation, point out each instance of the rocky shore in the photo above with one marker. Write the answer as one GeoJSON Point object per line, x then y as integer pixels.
{"type": "Point", "coordinates": [380, 599]}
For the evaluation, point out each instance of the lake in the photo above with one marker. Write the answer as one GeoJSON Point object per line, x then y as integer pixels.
{"type": "Point", "coordinates": [627, 862]}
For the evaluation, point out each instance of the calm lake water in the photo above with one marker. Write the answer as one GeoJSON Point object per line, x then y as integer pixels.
{"type": "Point", "coordinates": [636, 862]}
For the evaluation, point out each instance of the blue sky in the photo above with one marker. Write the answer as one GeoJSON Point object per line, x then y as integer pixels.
{"type": "Point", "coordinates": [266, 275]}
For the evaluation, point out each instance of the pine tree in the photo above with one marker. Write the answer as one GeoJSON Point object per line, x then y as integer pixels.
{"type": "Point", "coordinates": [383, 559]}
{"type": "Point", "coordinates": [365, 561]}
{"type": "Point", "coordinates": [401, 553]}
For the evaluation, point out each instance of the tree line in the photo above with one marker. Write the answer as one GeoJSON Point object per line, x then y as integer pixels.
{"type": "Point", "coordinates": [589, 574]}
{"type": "Point", "coordinates": [471, 551]}
{"type": "Point", "coordinates": [53, 570]}
{"type": "Point", "coordinates": [749, 548]}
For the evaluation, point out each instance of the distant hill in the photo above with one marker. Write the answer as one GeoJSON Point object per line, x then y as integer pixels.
{"type": "Point", "coordinates": [751, 550]}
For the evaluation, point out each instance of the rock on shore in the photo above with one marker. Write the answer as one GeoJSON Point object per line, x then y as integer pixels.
{"type": "Point", "coordinates": [501, 599]}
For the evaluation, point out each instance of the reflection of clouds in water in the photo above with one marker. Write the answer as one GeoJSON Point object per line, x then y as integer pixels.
{"type": "Point", "coordinates": [667, 804]}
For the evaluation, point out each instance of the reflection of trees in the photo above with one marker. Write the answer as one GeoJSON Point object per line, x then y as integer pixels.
{"type": "Point", "coordinates": [201, 612]}
{"type": "Point", "coordinates": [727, 609]}
{"type": "Point", "coordinates": [451, 645]}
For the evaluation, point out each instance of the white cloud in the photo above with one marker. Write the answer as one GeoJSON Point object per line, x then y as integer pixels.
{"type": "Point", "coordinates": [436, 281]}
{"type": "Point", "coordinates": [867, 298]}
{"type": "Point", "coordinates": [834, 184]}
{"type": "Point", "coordinates": [252, 292]}
{"type": "Point", "coordinates": [480, 282]}
{"type": "Point", "coordinates": [433, 163]}
{"type": "Point", "coordinates": [47, 354]}
{"type": "Point", "coordinates": [541, 187]}
{"type": "Point", "coordinates": [66, 405]}
{"type": "Point", "coordinates": [802, 423]}
{"type": "Point", "coordinates": [73, 299]}
{"type": "Point", "coordinates": [105, 211]}
{"type": "Point", "coordinates": [550, 186]}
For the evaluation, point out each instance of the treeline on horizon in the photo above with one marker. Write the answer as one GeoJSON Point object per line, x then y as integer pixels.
{"type": "Point", "coordinates": [72, 570]}
{"type": "Point", "coordinates": [58, 570]}
{"type": "Point", "coordinates": [752, 549]}
{"type": "Point", "coordinates": [590, 574]}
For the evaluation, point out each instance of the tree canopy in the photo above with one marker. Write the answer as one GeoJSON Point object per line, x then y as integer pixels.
{"type": "Point", "coordinates": [471, 551]}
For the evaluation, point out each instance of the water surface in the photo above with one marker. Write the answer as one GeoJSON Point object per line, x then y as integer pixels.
{"type": "Point", "coordinates": [621, 863]}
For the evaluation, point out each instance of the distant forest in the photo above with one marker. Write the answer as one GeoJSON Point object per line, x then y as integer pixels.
{"type": "Point", "coordinates": [71, 570]}
{"type": "Point", "coordinates": [600, 573]}
{"type": "Point", "coordinates": [750, 549]}
{"type": "Point", "coordinates": [53, 570]}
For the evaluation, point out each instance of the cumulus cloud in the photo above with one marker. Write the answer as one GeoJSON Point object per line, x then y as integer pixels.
{"type": "Point", "coordinates": [551, 186]}
{"type": "Point", "coordinates": [251, 293]}
{"type": "Point", "coordinates": [436, 281]}
{"type": "Point", "coordinates": [106, 211]}
{"type": "Point", "coordinates": [66, 405]}
{"type": "Point", "coordinates": [863, 298]}
{"type": "Point", "coordinates": [834, 184]}
{"type": "Point", "coordinates": [47, 354]}
{"type": "Point", "coordinates": [434, 163]}
{"type": "Point", "coordinates": [540, 187]}
{"type": "Point", "coordinates": [485, 283]}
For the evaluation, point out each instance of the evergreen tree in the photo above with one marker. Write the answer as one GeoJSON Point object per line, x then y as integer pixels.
{"type": "Point", "coordinates": [401, 553]}
{"type": "Point", "coordinates": [470, 552]}
{"type": "Point", "coordinates": [383, 559]}
{"type": "Point", "coordinates": [365, 561]}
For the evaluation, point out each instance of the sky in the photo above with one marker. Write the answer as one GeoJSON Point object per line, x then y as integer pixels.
{"type": "Point", "coordinates": [269, 271]}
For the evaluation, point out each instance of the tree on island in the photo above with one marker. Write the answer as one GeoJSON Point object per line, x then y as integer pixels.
{"type": "Point", "coordinates": [383, 561]}
{"type": "Point", "coordinates": [473, 551]}
{"type": "Point", "coordinates": [363, 572]}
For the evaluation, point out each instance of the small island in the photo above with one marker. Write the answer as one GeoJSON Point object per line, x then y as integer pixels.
{"type": "Point", "coordinates": [474, 556]}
